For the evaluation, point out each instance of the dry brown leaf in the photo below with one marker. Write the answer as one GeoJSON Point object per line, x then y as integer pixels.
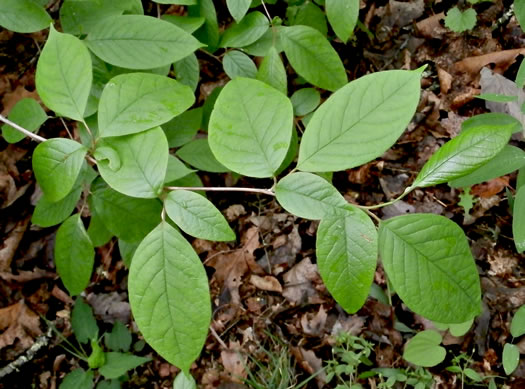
{"type": "Point", "coordinates": [490, 188]}
{"type": "Point", "coordinates": [268, 283]}
{"type": "Point", "coordinates": [445, 80]}
{"type": "Point", "coordinates": [11, 98]}
{"type": "Point", "coordinates": [110, 306]}
{"type": "Point", "coordinates": [234, 362]}
{"type": "Point", "coordinates": [431, 27]}
{"type": "Point", "coordinates": [314, 326]}
{"type": "Point", "coordinates": [310, 363]}
{"type": "Point", "coordinates": [299, 287]}
{"type": "Point", "coordinates": [17, 321]}
{"type": "Point", "coordinates": [27, 275]}
{"type": "Point", "coordinates": [502, 60]}
{"type": "Point", "coordinates": [10, 244]}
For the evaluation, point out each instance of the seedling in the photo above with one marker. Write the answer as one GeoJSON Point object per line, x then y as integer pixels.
{"type": "Point", "coordinates": [511, 352]}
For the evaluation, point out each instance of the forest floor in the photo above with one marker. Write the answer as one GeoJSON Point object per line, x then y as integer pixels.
{"type": "Point", "coordinates": [266, 290]}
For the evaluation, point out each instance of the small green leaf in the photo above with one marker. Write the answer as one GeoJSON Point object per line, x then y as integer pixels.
{"type": "Point", "coordinates": [27, 113]}
{"type": "Point", "coordinates": [181, 129]}
{"type": "Point", "coordinates": [176, 169]}
{"type": "Point", "coordinates": [261, 46]}
{"type": "Point", "coordinates": [184, 381]}
{"type": "Point", "coordinates": [305, 100]}
{"type": "Point", "coordinates": [127, 250]}
{"type": "Point", "coordinates": [460, 329]}
{"type": "Point", "coordinates": [169, 296]}
{"type": "Point", "coordinates": [197, 153]}
{"type": "Point", "coordinates": [272, 71]}
{"type": "Point", "coordinates": [97, 231]}
{"type": "Point", "coordinates": [111, 384]}
{"type": "Point", "coordinates": [83, 322]}
{"type": "Point", "coordinates": [135, 102]}
{"type": "Point", "coordinates": [518, 221]}
{"type": "Point", "coordinates": [118, 364]}
{"type": "Point", "coordinates": [309, 196]}
{"type": "Point", "coordinates": [360, 121]}
{"type": "Point", "coordinates": [78, 379]}
{"type": "Point", "coordinates": [119, 339]}
{"type": "Point", "coordinates": [63, 75]}
{"type": "Point", "coordinates": [238, 8]}
{"type": "Point", "coordinates": [209, 32]}
{"type": "Point", "coordinates": [74, 255]}
{"type": "Point", "coordinates": [238, 64]}
{"type": "Point", "coordinates": [473, 375]}
{"type": "Point", "coordinates": [424, 349]}
{"type": "Point", "coordinates": [466, 201]}
{"type": "Point", "coordinates": [187, 23]}
{"type": "Point", "coordinates": [520, 77]}
{"type": "Point", "coordinates": [139, 42]}
{"type": "Point", "coordinates": [459, 21]}
{"type": "Point", "coordinates": [143, 160]}
{"type": "Point", "coordinates": [342, 15]}
{"type": "Point", "coordinates": [197, 216]}
{"type": "Point", "coordinates": [23, 16]}
{"type": "Point", "coordinates": [250, 127]}
{"type": "Point", "coordinates": [312, 57]}
{"type": "Point", "coordinates": [247, 31]}
{"type": "Point", "coordinates": [428, 260]}
{"type": "Point", "coordinates": [511, 358]}
{"type": "Point", "coordinates": [517, 325]}
{"type": "Point", "coordinates": [497, 98]}
{"type": "Point", "coordinates": [187, 71]}
{"type": "Point", "coordinates": [307, 14]}
{"type": "Point", "coordinates": [97, 357]}
{"type": "Point", "coordinates": [347, 257]}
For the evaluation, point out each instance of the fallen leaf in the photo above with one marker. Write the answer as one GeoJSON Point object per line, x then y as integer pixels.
{"type": "Point", "coordinates": [310, 363]}
{"type": "Point", "coordinates": [110, 306]}
{"type": "Point", "coordinates": [398, 14]}
{"type": "Point", "coordinates": [502, 60]}
{"type": "Point", "coordinates": [17, 321]}
{"type": "Point", "coordinates": [490, 188]}
{"type": "Point", "coordinates": [431, 27]}
{"type": "Point", "coordinates": [299, 282]}
{"type": "Point", "coordinates": [10, 244]}
{"type": "Point", "coordinates": [268, 283]}
{"type": "Point", "coordinates": [314, 326]}
{"type": "Point", "coordinates": [234, 362]}
{"type": "Point", "coordinates": [445, 80]}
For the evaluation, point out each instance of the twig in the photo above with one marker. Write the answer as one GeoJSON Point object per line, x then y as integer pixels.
{"type": "Point", "coordinates": [28, 133]}
{"type": "Point", "coordinates": [268, 192]}
{"type": "Point", "coordinates": [216, 336]}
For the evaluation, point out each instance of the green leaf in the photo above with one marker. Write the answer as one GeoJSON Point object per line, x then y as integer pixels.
{"type": "Point", "coordinates": [169, 296]}
{"type": "Point", "coordinates": [238, 64]}
{"type": "Point", "coordinates": [23, 16]}
{"type": "Point", "coordinates": [309, 196]}
{"type": "Point", "coordinates": [181, 129]}
{"type": "Point", "coordinates": [508, 160]}
{"type": "Point", "coordinates": [83, 322]}
{"type": "Point", "coordinates": [74, 255]}
{"type": "Point", "coordinates": [139, 42]}
{"type": "Point", "coordinates": [27, 113]}
{"type": "Point", "coordinates": [209, 32]}
{"type": "Point", "coordinates": [97, 231]}
{"type": "Point", "coordinates": [187, 23]}
{"type": "Point", "coordinates": [492, 119]}
{"type": "Point", "coordinates": [290, 154]}
{"type": "Point", "coordinates": [197, 216]}
{"type": "Point", "coordinates": [48, 213]}
{"type": "Point", "coordinates": [238, 8]}
{"type": "Point", "coordinates": [342, 15]}
{"type": "Point", "coordinates": [97, 358]}
{"type": "Point", "coordinates": [197, 153]}
{"type": "Point", "coordinates": [464, 154]}
{"type": "Point", "coordinates": [247, 31]}
{"type": "Point", "coordinates": [208, 106]}
{"type": "Point", "coordinates": [519, 12]}
{"type": "Point", "coordinates": [511, 358]}
{"type": "Point", "coordinates": [347, 256]}
{"type": "Point", "coordinates": [191, 180]}
{"type": "Point", "coordinates": [129, 218]}
{"type": "Point", "coordinates": [176, 169]}
{"type": "Point", "coordinates": [119, 339]}
{"type": "Point", "coordinates": [424, 349]}
{"type": "Point", "coordinates": [57, 163]}
{"type": "Point", "coordinates": [261, 47]}
{"type": "Point", "coordinates": [251, 127]}
{"type": "Point", "coordinates": [111, 384]}
{"type": "Point", "coordinates": [187, 71]}
{"type": "Point", "coordinates": [139, 163]}
{"type": "Point", "coordinates": [517, 325]}
{"type": "Point", "coordinates": [305, 100]}
{"type": "Point", "coordinates": [184, 381]}
{"type": "Point", "coordinates": [520, 77]}
{"type": "Point", "coordinates": [312, 57]}
{"type": "Point", "coordinates": [360, 121]}
{"type": "Point", "coordinates": [518, 221]}
{"type": "Point", "coordinates": [459, 21]}
{"type": "Point", "coordinates": [135, 102]}
{"type": "Point", "coordinates": [497, 98]}
{"type": "Point", "coordinates": [78, 379]}
{"type": "Point", "coordinates": [272, 71]}
{"type": "Point", "coordinates": [117, 364]}
{"type": "Point", "coordinates": [428, 260]}
{"type": "Point", "coordinates": [63, 75]}
{"type": "Point", "coordinates": [179, 2]}
{"type": "Point", "coordinates": [127, 250]}
{"type": "Point", "coordinates": [307, 14]}
{"type": "Point", "coordinates": [461, 329]}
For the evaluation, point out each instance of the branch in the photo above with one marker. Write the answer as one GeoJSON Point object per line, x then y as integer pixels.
{"type": "Point", "coordinates": [35, 137]}
{"type": "Point", "coordinates": [268, 192]}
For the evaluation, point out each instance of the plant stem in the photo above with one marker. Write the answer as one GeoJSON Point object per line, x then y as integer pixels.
{"type": "Point", "coordinates": [407, 191]}
{"type": "Point", "coordinates": [35, 137]}
{"type": "Point", "coordinates": [268, 192]}
{"type": "Point", "coordinates": [266, 11]}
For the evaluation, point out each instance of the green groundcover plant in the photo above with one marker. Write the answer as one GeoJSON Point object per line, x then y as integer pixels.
{"type": "Point", "coordinates": [135, 164]}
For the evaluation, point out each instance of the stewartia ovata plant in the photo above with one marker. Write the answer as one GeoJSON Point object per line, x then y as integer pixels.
{"type": "Point", "coordinates": [130, 115]}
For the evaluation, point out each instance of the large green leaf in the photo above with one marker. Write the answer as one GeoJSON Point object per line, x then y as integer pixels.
{"type": "Point", "coordinates": [187, 23]}
{"type": "Point", "coordinates": [347, 256]}
{"type": "Point", "coordinates": [518, 221]}
{"type": "Point", "coordinates": [176, 169]}
{"type": "Point", "coordinates": [136, 164]}
{"type": "Point", "coordinates": [27, 113]}
{"type": "Point", "coordinates": [342, 15]}
{"type": "Point", "coordinates": [238, 64]}
{"type": "Point", "coordinates": [140, 42]}
{"type": "Point", "coordinates": [509, 159]}
{"type": "Point", "coordinates": [74, 255]}
{"type": "Point", "coordinates": [307, 14]}
{"type": "Point", "coordinates": [129, 218]}
{"type": "Point", "coordinates": [519, 11]}
{"type": "Point", "coordinates": [209, 32]}
{"type": "Point", "coordinates": [312, 57]}
{"type": "Point", "coordinates": [57, 163]}
{"type": "Point", "coordinates": [169, 296]}
{"type": "Point", "coordinates": [309, 196]}
{"type": "Point", "coordinates": [197, 153]}
{"type": "Point", "coordinates": [23, 16]}
{"type": "Point", "coordinates": [360, 121]}
{"type": "Point", "coordinates": [117, 364]}
{"type": "Point", "coordinates": [238, 8]}
{"type": "Point", "coordinates": [250, 127]}
{"type": "Point", "coordinates": [63, 75]}
{"type": "Point", "coordinates": [187, 71]}
{"type": "Point", "coordinates": [272, 71]}
{"type": "Point", "coordinates": [428, 260]}
{"type": "Point", "coordinates": [247, 31]}
{"type": "Point", "coordinates": [135, 102]}
{"type": "Point", "coordinates": [197, 216]}
{"type": "Point", "coordinates": [492, 119]}
{"type": "Point", "coordinates": [464, 154]}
